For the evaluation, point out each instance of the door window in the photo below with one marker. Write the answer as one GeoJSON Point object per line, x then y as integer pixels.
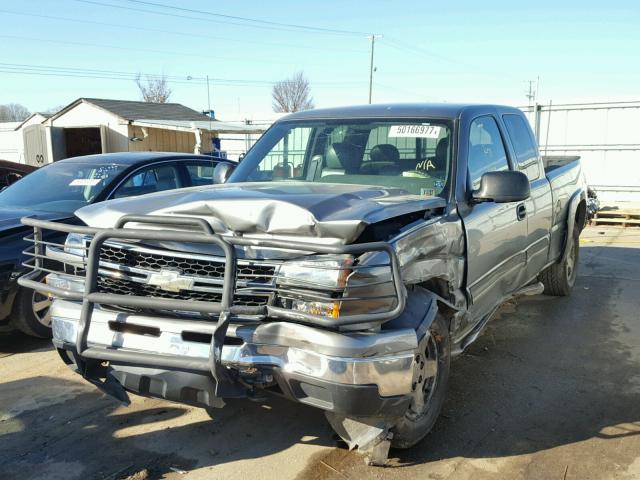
{"type": "Point", "coordinates": [200, 173]}
{"type": "Point", "coordinates": [149, 180]}
{"type": "Point", "coordinates": [486, 150]}
{"type": "Point", "coordinates": [524, 146]}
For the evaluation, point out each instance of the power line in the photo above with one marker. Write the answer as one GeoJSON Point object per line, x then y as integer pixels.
{"type": "Point", "coordinates": [161, 75]}
{"type": "Point", "coordinates": [145, 50]}
{"type": "Point", "coordinates": [482, 70]}
{"type": "Point", "coordinates": [129, 76]}
{"type": "Point", "coordinates": [173, 32]}
{"type": "Point", "coordinates": [247, 19]}
{"type": "Point", "coordinates": [229, 22]}
{"type": "Point", "coordinates": [403, 47]}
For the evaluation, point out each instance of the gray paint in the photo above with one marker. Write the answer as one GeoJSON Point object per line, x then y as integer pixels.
{"type": "Point", "coordinates": [474, 256]}
{"type": "Point", "coordinates": [334, 212]}
{"type": "Point", "coordinates": [480, 252]}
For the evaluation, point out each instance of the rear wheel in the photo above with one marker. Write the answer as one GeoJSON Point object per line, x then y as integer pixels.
{"type": "Point", "coordinates": [559, 278]}
{"type": "Point", "coordinates": [432, 364]}
{"type": "Point", "coordinates": [31, 313]}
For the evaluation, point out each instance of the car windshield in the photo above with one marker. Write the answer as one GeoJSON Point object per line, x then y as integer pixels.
{"type": "Point", "coordinates": [414, 155]}
{"type": "Point", "coordinates": [60, 187]}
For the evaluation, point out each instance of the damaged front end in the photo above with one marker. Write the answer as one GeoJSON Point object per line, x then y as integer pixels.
{"type": "Point", "coordinates": [187, 315]}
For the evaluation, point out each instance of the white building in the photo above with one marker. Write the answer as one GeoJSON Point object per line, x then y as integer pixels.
{"type": "Point", "coordinates": [91, 125]}
{"type": "Point", "coordinates": [10, 141]}
{"type": "Point", "coordinates": [606, 137]}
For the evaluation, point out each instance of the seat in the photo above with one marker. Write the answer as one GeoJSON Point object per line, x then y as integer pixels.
{"type": "Point", "coordinates": [385, 152]}
{"type": "Point", "coordinates": [385, 160]}
{"type": "Point", "coordinates": [342, 158]}
{"type": "Point", "coordinates": [166, 179]}
{"type": "Point", "coordinates": [440, 160]}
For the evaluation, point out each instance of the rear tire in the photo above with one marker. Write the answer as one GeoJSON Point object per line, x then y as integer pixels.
{"type": "Point", "coordinates": [424, 411]}
{"type": "Point", "coordinates": [31, 313]}
{"type": "Point", "coordinates": [559, 278]}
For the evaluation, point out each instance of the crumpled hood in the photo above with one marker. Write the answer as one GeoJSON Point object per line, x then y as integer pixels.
{"type": "Point", "coordinates": [321, 210]}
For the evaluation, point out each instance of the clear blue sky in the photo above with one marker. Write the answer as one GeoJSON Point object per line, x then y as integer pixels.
{"type": "Point", "coordinates": [431, 51]}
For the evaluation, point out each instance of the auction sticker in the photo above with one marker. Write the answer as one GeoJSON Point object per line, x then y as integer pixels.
{"type": "Point", "coordinates": [85, 182]}
{"type": "Point", "coordinates": [414, 131]}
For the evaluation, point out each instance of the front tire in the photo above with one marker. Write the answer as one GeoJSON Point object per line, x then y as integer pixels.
{"type": "Point", "coordinates": [430, 387]}
{"type": "Point", "coordinates": [31, 313]}
{"type": "Point", "coordinates": [559, 278]}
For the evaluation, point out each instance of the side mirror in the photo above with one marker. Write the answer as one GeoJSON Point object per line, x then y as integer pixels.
{"type": "Point", "coordinates": [222, 172]}
{"type": "Point", "coordinates": [502, 187]}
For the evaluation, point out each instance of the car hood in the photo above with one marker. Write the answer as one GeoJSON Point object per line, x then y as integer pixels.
{"type": "Point", "coordinates": [318, 210]}
{"type": "Point", "coordinates": [10, 218]}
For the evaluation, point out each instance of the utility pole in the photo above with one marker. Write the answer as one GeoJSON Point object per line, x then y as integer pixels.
{"type": "Point", "coordinates": [373, 44]}
{"type": "Point", "coordinates": [532, 94]}
{"type": "Point", "coordinates": [208, 95]}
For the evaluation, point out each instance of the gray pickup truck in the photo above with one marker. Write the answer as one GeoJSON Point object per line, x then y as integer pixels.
{"type": "Point", "coordinates": [342, 264]}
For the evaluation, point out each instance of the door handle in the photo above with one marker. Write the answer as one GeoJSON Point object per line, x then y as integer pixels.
{"type": "Point", "coordinates": [521, 212]}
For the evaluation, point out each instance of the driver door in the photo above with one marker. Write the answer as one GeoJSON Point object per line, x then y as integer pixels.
{"type": "Point", "coordinates": [495, 236]}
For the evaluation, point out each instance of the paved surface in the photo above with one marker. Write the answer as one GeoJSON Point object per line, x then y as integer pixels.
{"type": "Point", "coordinates": [550, 391]}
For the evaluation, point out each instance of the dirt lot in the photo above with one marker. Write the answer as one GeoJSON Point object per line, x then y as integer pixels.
{"type": "Point", "coordinates": [550, 391]}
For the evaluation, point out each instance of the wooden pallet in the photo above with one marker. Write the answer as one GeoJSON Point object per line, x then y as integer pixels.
{"type": "Point", "coordinates": [625, 218]}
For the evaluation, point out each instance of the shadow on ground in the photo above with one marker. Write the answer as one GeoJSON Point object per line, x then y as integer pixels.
{"type": "Point", "coordinates": [547, 372]}
{"type": "Point", "coordinates": [89, 436]}
{"type": "Point", "coordinates": [16, 342]}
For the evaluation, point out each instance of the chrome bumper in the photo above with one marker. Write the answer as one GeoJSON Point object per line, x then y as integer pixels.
{"type": "Point", "coordinates": [384, 359]}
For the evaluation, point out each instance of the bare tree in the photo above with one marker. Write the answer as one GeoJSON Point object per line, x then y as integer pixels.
{"type": "Point", "coordinates": [13, 112]}
{"type": "Point", "coordinates": [154, 90]}
{"type": "Point", "coordinates": [292, 94]}
{"type": "Point", "coordinates": [53, 110]}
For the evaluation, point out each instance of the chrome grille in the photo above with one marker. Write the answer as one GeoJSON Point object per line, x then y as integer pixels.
{"type": "Point", "coordinates": [120, 286]}
{"type": "Point", "coordinates": [125, 271]}
{"type": "Point", "coordinates": [198, 267]}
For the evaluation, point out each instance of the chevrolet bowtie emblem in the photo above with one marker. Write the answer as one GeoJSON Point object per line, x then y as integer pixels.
{"type": "Point", "coordinates": [170, 281]}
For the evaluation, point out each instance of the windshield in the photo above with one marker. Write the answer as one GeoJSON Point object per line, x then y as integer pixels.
{"type": "Point", "coordinates": [60, 187]}
{"type": "Point", "coordinates": [414, 155]}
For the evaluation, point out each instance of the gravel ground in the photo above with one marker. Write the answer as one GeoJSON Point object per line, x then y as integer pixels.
{"type": "Point", "coordinates": [551, 390]}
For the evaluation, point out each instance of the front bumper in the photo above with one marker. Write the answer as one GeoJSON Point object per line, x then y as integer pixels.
{"type": "Point", "coordinates": [359, 374]}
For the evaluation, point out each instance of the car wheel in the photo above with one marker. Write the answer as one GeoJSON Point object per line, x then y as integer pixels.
{"type": "Point", "coordinates": [31, 313]}
{"type": "Point", "coordinates": [433, 362]}
{"type": "Point", "coordinates": [559, 279]}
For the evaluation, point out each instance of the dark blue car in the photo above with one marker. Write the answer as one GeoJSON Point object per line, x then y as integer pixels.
{"type": "Point", "coordinates": [57, 190]}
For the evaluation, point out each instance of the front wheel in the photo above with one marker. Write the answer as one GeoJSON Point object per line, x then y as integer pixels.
{"type": "Point", "coordinates": [31, 313]}
{"type": "Point", "coordinates": [430, 387]}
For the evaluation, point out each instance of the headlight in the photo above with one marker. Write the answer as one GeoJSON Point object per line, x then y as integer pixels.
{"type": "Point", "coordinates": [311, 277]}
{"type": "Point", "coordinates": [75, 244]}
{"type": "Point", "coordinates": [319, 309]}
{"type": "Point", "coordinates": [319, 273]}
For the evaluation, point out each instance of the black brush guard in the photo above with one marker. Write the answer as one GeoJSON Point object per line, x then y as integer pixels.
{"type": "Point", "coordinates": [225, 310]}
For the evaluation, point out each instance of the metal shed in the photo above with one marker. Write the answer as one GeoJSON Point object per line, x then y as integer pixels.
{"type": "Point", "coordinates": [92, 125]}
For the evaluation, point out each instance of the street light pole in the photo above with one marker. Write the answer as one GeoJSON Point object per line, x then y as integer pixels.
{"type": "Point", "coordinates": [373, 44]}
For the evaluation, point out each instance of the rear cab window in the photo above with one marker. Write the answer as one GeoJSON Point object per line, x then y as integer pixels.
{"type": "Point", "coordinates": [527, 156]}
